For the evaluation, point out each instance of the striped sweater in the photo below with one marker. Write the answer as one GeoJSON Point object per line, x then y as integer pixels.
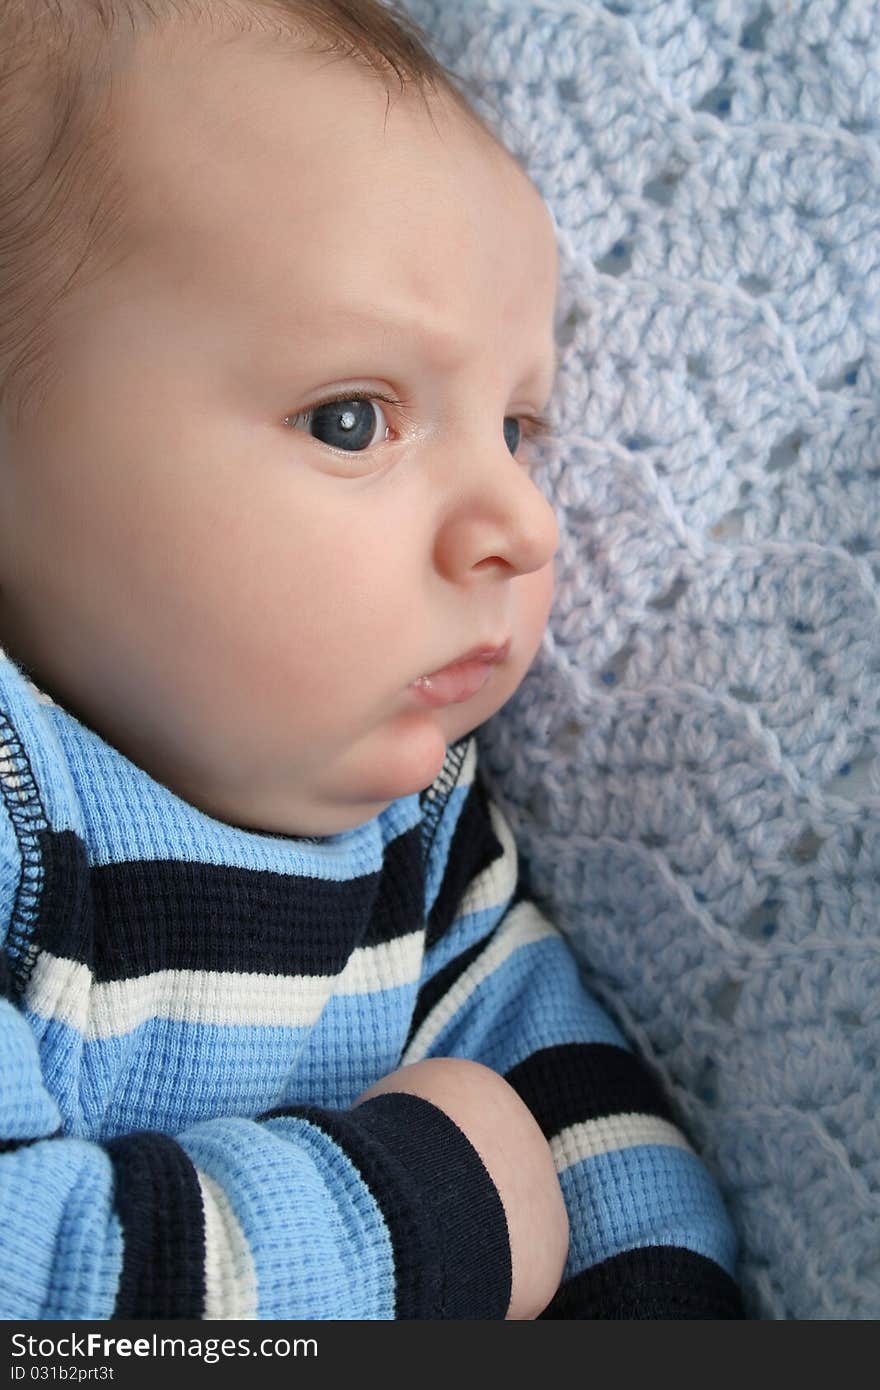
{"type": "Point", "coordinates": [189, 1008]}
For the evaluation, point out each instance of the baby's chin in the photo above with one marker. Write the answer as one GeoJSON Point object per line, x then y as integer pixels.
{"type": "Point", "coordinates": [407, 754]}
{"type": "Point", "coordinates": [400, 759]}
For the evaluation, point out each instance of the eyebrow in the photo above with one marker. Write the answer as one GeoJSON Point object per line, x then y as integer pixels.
{"type": "Point", "coordinates": [449, 346]}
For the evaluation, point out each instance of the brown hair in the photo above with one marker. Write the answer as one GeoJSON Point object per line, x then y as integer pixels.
{"type": "Point", "coordinates": [62, 210]}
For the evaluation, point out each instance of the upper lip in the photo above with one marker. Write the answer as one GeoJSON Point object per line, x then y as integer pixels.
{"type": "Point", "coordinates": [487, 651]}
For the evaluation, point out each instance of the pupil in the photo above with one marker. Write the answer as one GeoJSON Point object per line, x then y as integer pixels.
{"type": "Point", "coordinates": [348, 425]}
{"type": "Point", "coordinates": [512, 433]}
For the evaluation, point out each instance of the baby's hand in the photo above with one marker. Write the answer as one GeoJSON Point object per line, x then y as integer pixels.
{"type": "Point", "coordinates": [518, 1159]}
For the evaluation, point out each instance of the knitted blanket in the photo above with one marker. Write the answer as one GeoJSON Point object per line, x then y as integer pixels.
{"type": "Point", "coordinates": [691, 767]}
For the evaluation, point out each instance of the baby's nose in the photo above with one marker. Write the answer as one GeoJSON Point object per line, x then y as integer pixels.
{"type": "Point", "coordinates": [503, 524]}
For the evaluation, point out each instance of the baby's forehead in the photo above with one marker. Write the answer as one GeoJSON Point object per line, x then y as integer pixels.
{"type": "Point", "coordinates": [254, 153]}
{"type": "Point", "coordinates": [221, 90]}
{"type": "Point", "coordinates": [201, 104]}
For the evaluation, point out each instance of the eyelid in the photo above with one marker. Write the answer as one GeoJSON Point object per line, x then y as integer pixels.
{"type": "Point", "coordinates": [537, 426]}
{"type": "Point", "coordinates": [351, 395]}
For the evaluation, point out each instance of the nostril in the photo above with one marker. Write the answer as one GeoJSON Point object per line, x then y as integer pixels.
{"type": "Point", "coordinates": [491, 562]}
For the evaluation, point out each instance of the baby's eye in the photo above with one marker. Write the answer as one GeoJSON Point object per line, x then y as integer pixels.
{"type": "Point", "coordinates": [512, 432]}
{"type": "Point", "coordinates": [529, 428]}
{"type": "Point", "coordinates": [348, 423]}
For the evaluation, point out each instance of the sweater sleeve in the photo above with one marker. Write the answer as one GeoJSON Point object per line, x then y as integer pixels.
{"type": "Point", "coordinates": [649, 1236]}
{"type": "Point", "coordinates": [304, 1213]}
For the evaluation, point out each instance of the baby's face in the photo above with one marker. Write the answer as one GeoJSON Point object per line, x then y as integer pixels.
{"type": "Point", "coordinates": [238, 593]}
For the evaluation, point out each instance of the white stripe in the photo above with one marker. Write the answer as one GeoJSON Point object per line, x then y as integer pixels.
{"type": "Point", "coordinates": [469, 766]}
{"type": "Point", "coordinates": [610, 1133]}
{"type": "Point", "coordinates": [371, 969]}
{"type": "Point", "coordinates": [230, 1276]}
{"type": "Point", "coordinates": [64, 990]}
{"type": "Point", "coordinates": [60, 988]}
{"type": "Point", "coordinates": [40, 695]}
{"type": "Point", "coordinates": [523, 925]}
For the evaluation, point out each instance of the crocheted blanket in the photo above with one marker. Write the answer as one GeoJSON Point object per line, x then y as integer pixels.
{"type": "Point", "coordinates": [692, 765]}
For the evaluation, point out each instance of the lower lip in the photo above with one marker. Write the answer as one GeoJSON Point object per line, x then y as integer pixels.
{"type": "Point", "coordinates": [456, 683]}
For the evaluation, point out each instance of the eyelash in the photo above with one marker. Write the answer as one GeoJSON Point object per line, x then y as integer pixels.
{"type": "Point", "coordinates": [535, 427]}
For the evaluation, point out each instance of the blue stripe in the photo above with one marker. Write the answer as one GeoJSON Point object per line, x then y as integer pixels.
{"type": "Point", "coordinates": [332, 1256]}
{"type": "Point", "coordinates": [368, 1031]}
{"type": "Point", "coordinates": [396, 820]}
{"type": "Point", "coordinates": [468, 929]}
{"type": "Point", "coordinates": [651, 1194]}
{"type": "Point", "coordinates": [26, 1108]}
{"type": "Point", "coordinates": [533, 1000]}
{"type": "Point", "coordinates": [66, 1255]}
{"type": "Point", "coordinates": [165, 1074]}
{"type": "Point", "coordinates": [10, 869]}
{"type": "Point", "coordinates": [156, 1077]}
{"type": "Point", "coordinates": [436, 867]}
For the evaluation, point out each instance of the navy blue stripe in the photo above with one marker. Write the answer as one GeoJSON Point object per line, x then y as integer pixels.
{"type": "Point", "coordinates": [159, 1205]}
{"type": "Point", "coordinates": [399, 906]}
{"type": "Point", "coordinates": [130, 919]}
{"type": "Point", "coordinates": [474, 847]}
{"type": "Point", "coordinates": [574, 1082]}
{"type": "Point", "coordinates": [64, 922]}
{"type": "Point", "coordinates": [444, 1215]}
{"type": "Point", "coordinates": [184, 916]}
{"type": "Point", "coordinates": [662, 1282]}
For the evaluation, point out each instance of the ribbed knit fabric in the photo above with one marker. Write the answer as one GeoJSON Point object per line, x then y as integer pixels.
{"type": "Point", "coordinates": [189, 1010]}
{"type": "Point", "coordinates": [691, 768]}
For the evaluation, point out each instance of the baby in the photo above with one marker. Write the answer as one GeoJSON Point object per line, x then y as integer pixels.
{"type": "Point", "coordinates": [282, 1036]}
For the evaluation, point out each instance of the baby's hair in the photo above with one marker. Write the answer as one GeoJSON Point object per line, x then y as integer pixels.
{"type": "Point", "coordinates": [63, 207]}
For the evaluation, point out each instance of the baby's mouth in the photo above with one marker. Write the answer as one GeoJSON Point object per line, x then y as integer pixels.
{"type": "Point", "coordinates": [462, 679]}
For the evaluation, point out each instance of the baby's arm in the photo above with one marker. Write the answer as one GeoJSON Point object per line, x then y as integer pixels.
{"type": "Point", "coordinates": [381, 1211]}
{"type": "Point", "coordinates": [649, 1237]}
{"type": "Point", "coordinates": [517, 1158]}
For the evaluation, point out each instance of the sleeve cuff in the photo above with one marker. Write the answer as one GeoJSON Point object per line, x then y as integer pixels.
{"type": "Point", "coordinates": [446, 1219]}
{"type": "Point", "coordinates": [655, 1283]}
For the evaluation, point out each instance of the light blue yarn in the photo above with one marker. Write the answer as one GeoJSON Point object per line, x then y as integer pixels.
{"type": "Point", "coordinates": [691, 768]}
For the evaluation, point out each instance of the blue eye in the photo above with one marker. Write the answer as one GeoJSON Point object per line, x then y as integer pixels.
{"type": "Point", "coordinates": [512, 433]}
{"type": "Point", "coordinates": [348, 423]}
